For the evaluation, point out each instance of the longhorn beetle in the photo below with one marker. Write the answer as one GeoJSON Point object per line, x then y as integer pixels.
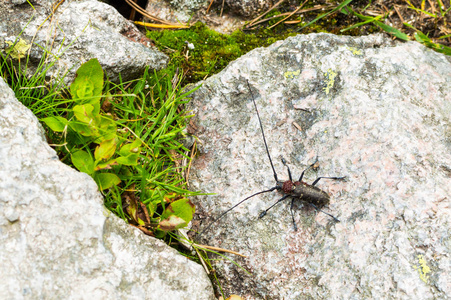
{"type": "Point", "coordinates": [301, 190]}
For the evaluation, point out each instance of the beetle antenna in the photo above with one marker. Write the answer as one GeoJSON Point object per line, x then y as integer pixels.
{"type": "Point", "coordinates": [224, 213]}
{"type": "Point", "coordinates": [263, 133]}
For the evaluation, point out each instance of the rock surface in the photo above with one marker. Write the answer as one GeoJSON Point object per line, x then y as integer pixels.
{"type": "Point", "coordinates": [371, 109]}
{"type": "Point", "coordinates": [193, 11]}
{"type": "Point", "coordinates": [249, 8]}
{"type": "Point", "coordinates": [175, 11]}
{"type": "Point", "coordinates": [75, 33]}
{"type": "Point", "coordinates": [233, 17]}
{"type": "Point", "coordinates": [57, 241]}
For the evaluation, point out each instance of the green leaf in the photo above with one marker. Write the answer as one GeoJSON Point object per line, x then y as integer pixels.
{"type": "Point", "coordinates": [87, 86]}
{"type": "Point", "coordinates": [129, 160]}
{"type": "Point", "coordinates": [387, 28]}
{"type": "Point", "coordinates": [106, 180]}
{"type": "Point", "coordinates": [172, 223]}
{"type": "Point", "coordinates": [106, 165]}
{"type": "Point", "coordinates": [361, 24]}
{"type": "Point", "coordinates": [96, 110]}
{"type": "Point", "coordinates": [105, 149]}
{"type": "Point", "coordinates": [107, 128]}
{"type": "Point", "coordinates": [422, 11]}
{"type": "Point", "coordinates": [81, 128]}
{"type": "Point", "coordinates": [393, 31]}
{"type": "Point", "coordinates": [177, 215]}
{"type": "Point", "coordinates": [84, 114]}
{"type": "Point", "coordinates": [130, 148]}
{"type": "Point", "coordinates": [424, 39]}
{"type": "Point", "coordinates": [83, 161]}
{"type": "Point", "coordinates": [56, 123]}
{"type": "Point", "coordinates": [152, 207]}
{"type": "Point", "coordinates": [18, 49]}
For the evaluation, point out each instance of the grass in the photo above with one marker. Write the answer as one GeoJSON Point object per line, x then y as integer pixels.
{"type": "Point", "coordinates": [428, 22]}
{"type": "Point", "coordinates": [152, 111]}
{"type": "Point", "coordinates": [34, 90]}
{"type": "Point", "coordinates": [148, 109]}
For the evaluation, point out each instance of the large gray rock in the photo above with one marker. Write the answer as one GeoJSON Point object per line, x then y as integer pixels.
{"type": "Point", "coordinates": [75, 33]}
{"type": "Point", "coordinates": [371, 109]}
{"type": "Point", "coordinates": [57, 241]}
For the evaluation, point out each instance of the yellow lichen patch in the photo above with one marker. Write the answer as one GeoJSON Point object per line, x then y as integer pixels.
{"type": "Point", "coordinates": [19, 49]}
{"type": "Point", "coordinates": [355, 50]}
{"type": "Point", "coordinates": [330, 78]}
{"type": "Point", "coordinates": [423, 269]}
{"type": "Point", "coordinates": [291, 74]}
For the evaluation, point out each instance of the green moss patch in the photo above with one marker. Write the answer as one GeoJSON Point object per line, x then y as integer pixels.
{"type": "Point", "coordinates": [202, 52]}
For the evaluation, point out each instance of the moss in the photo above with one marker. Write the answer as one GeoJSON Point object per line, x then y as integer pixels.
{"type": "Point", "coordinates": [275, 20]}
{"type": "Point", "coordinates": [202, 52]}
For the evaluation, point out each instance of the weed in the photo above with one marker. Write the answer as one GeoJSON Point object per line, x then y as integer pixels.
{"type": "Point", "coordinates": [127, 138]}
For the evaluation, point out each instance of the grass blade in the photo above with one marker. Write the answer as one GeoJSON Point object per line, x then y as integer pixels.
{"type": "Point", "coordinates": [339, 7]}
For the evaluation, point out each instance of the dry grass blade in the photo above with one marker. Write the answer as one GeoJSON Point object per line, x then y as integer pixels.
{"type": "Point", "coordinates": [263, 14]}
{"type": "Point", "coordinates": [434, 10]}
{"type": "Point", "coordinates": [193, 154]}
{"type": "Point", "coordinates": [317, 7]}
{"type": "Point", "coordinates": [57, 5]}
{"type": "Point", "coordinates": [146, 14]}
{"type": "Point", "coordinates": [297, 126]}
{"type": "Point", "coordinates": [374, 13]}
{"type": "Point", "coordinates": [222, 8]}
{"type": "Point", "coordinates": [399, 14]}
{"type": "Point", "coordinates": [209, 6]}
{"type": "Point", "coordinates": [218, 249]}
{"type": "Point", "coordinates": [202, 260]}
{"type": "Point", "coordinates": [132, 13]}
{"type": "Point", "coordinates": [211, 3]}
{"type": "Point", "coordinates": [295, 11]}
{"type": "Point", "coordinates": [163, 26]}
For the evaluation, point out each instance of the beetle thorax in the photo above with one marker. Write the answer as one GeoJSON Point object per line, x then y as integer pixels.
{"type": "Point", "coordinates": [288, 186]}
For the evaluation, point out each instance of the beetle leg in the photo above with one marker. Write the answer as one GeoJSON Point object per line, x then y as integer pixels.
{"type": "Point", "coordinates": [263, 213]}
{"type": "Point", "coordinates": [302, 174]}
{"type": "Point", "coordinates": [316, 207]}
{"type": "Point", "coordinates": [292, 214]}
{"type": "Point", "coordinates": [317, 179]}
{"type": "Point", "coordinates": [289, 172]}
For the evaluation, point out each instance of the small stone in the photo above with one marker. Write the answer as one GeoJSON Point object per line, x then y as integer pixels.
{"type": "Point", "coordinates": [11, 214]}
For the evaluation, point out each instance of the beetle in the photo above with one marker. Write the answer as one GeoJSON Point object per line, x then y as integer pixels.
{"type": "Point", "coordinates": [308, 193]}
